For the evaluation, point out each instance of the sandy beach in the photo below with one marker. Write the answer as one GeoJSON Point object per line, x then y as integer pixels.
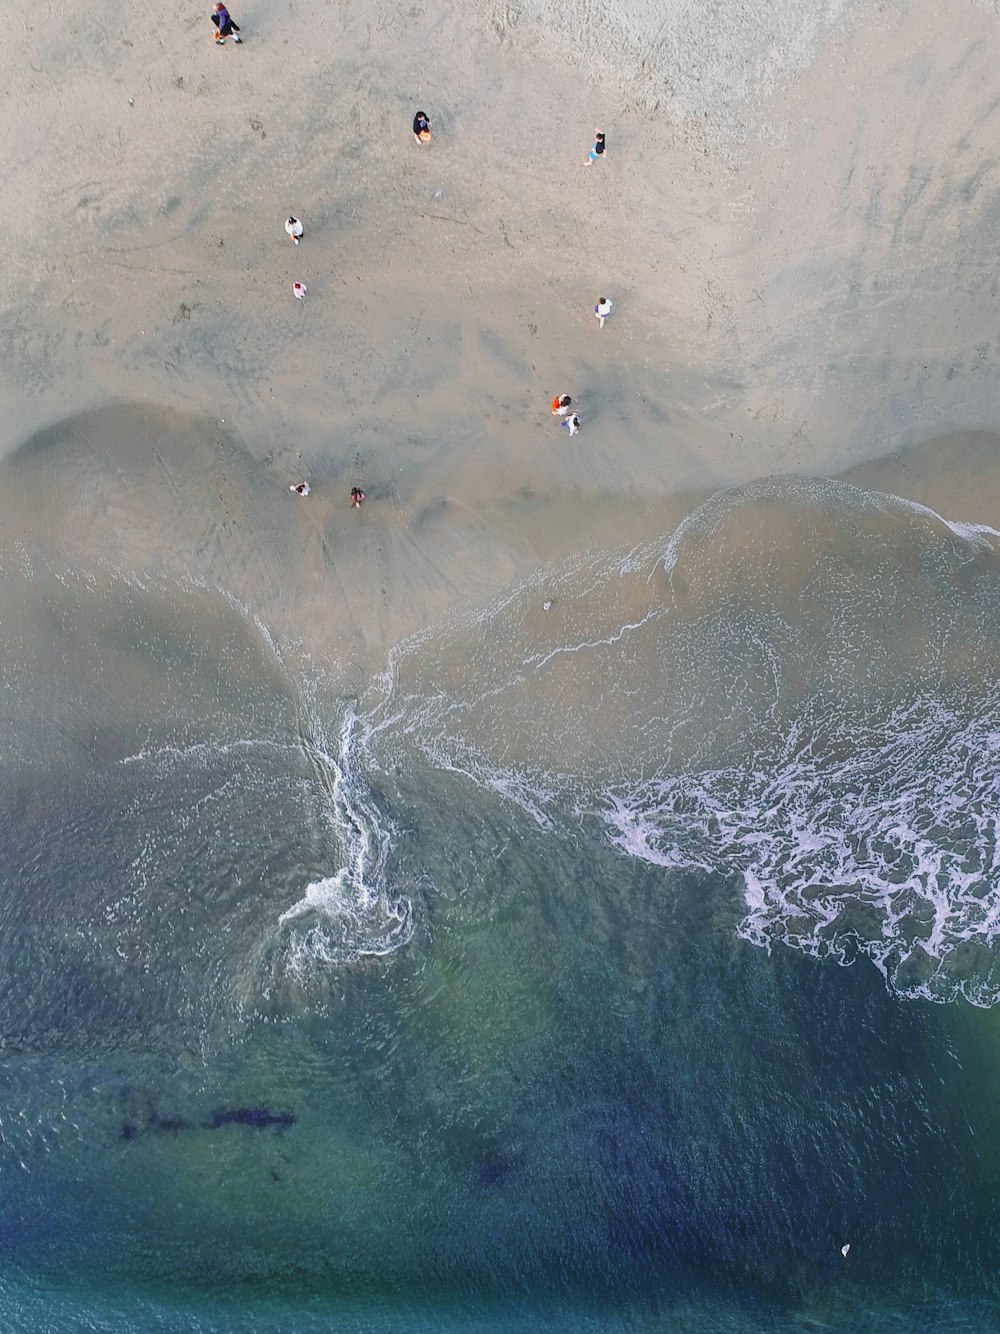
{"type": "Point", "coordinates": [798, 244]}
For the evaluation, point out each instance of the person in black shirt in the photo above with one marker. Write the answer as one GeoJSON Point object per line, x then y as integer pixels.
{"type": "Point", "coordinates": [599, 149]}
{"type": "Point", "coordinates": [421, 127]}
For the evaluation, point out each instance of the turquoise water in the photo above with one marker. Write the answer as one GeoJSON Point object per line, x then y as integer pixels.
{"type": "Point", "coordinates": [610, 965]}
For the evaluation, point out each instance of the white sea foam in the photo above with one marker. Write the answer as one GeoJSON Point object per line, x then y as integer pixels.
{"type": "Point", "coordinates": [890, 850]}
{"type": "Point", "coordinates": [349, 915]}
{"type": "Point", "coordinates": [203, 753]}
{"type": "Point", "coordinates": [340, 920]}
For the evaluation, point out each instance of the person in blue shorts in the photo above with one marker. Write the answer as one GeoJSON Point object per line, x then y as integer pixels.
{"type": "Point", "coordinates": [599, 149]}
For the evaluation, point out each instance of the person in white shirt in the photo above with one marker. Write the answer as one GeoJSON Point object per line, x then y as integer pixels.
{"type": "Point", "coordinates": [300, 291]}
{"type": "Point", "coordinates": [603, 309]}
{"type": "Point", "coordinates": [294, 229]}
{"type": "Point", "coordinates": [572, 424]}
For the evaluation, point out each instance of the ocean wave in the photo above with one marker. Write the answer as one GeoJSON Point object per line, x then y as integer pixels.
{"type": "Point", "coordinates": [799, 689]}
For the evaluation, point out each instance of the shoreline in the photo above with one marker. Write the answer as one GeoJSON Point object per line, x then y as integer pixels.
{"type": "Point", "coordinates": [162, 495]}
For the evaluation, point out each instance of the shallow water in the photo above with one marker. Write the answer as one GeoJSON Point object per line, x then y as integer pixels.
{"type": "Point", "coordinates": [607, 965]}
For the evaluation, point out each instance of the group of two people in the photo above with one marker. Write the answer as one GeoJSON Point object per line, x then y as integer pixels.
{"type": "Point", "coordinates": [422, 134]}
{"type": "Point", "coordinates": [562, 404]}
{"type": "Point", "coordinates": [304, 489]}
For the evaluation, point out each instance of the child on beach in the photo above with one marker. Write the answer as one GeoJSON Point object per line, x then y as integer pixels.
{"type": "Point", "coordinates": [603, 309]}
{"type": "Point", "coordinates": [572, 424]}
{"type": "Point", "coordinates": [357, 496]}
{"type": "Point", "coordinates": [294, 229]}
{"type": "Point", "coordinates": [421, 128]}
{"type": "Point", "coordinates": [224, 25]}
{"type": "Point", "coordinates": [300, 290]}
{"type": "Point", "coordinates": [599, 149]}
{"type": "Point", "coordinates": [561, 405]}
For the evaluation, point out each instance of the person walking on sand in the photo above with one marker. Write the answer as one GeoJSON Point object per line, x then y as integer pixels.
{"type": "Point", "coordinates": [421, 128]}
{"type": "Point", "coordinates": [224, 25]}
{"type": "Point", "coordinates": [603, 309]}
{"type": "Point", "coordinates": [294, 229]}
{"type": "Point", "coordinates": [300, 290]}
{"type": "Point", "coordinates": [357, 497]}
{"type": "Point", "coordinates": [600, 148]}
{"type": "Point", "coordinates": [572, 424]}
{"type": "Point", "coordinates": [561, 405]}
{"type": "Point", "coordinates": [300, 488]}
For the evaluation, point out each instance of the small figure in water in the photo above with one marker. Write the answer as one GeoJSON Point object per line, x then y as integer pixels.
{"type": "Point", "coordinates": [300, 290]}
{"type": "Point", "coordinates": [294, 229]}
{"type": "Point", "coordinates": [421, 128]}
{"type": "Point", "coordinates": [357, 496]}
{"type": "Point", "coordinates": [300, 489]}
{"type": "Point", "coordinates": [599, 149]}
{"type": "Point", "coordinates": [561, 405]}
{"type": "Point", "coordinates": [603, 309]}
{"type": "Point", "coordinates": [572, 424]}
{"type": "Point", "coordinates": [224, 25]}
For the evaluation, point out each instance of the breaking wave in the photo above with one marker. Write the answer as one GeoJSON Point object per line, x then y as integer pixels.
{"type": "Point", "coordinates": [799, 691]}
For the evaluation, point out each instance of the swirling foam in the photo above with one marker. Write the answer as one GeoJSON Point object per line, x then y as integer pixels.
{"type": "Point", "coordinates": [350, 915]}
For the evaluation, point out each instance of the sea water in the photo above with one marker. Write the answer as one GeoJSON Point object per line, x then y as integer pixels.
{"type": "Point", "coordinates": [622, 954]}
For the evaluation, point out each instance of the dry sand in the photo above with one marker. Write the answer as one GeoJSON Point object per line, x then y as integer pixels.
{"type": "Point", "coordinates": [795, 221]}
